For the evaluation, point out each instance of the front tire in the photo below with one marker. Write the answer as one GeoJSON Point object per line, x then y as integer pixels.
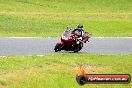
{"type": "Point", "coordinates": [58, 47]}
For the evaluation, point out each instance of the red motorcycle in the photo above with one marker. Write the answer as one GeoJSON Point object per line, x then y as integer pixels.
{"type": "Point", "coordinates": [70, 42]}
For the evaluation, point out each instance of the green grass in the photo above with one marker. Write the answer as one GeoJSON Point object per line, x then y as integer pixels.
{"type": "Point", "coordinates": [59, 70]}
{"type": "Point", "coordinates": [49, 18]}
{"type": "Point", "coordinates": [68, 6]}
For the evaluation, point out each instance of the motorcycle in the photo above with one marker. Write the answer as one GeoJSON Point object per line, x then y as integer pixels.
{"type": "Point", "coordinates": [71, 42]}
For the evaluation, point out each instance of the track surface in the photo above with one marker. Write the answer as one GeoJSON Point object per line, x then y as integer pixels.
{"type": "Point", "coordinates": [33, 46]}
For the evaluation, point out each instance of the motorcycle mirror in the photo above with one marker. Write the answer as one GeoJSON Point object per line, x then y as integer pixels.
{"type": "Point", "coordinates": [67, 27]}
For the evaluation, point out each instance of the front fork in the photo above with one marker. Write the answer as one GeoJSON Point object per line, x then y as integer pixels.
{"type": "Point", "coordinates": [61, 43]}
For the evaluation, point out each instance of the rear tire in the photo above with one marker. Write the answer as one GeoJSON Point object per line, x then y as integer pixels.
{"type": "Point", "coordinates": [58, 47]}
{"type": "Point", "coordinates": [78, 48]}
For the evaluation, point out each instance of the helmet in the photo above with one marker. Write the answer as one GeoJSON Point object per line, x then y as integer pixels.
{"type": "Point", "coordinates": [79, 26]}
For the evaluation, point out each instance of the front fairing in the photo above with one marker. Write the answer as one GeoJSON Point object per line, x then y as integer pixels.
{"type": "Point", "coordinates": [66, 35]}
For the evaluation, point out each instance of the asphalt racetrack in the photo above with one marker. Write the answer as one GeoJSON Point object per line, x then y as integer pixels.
{"type": "Point", "coordinates": [38, 46]}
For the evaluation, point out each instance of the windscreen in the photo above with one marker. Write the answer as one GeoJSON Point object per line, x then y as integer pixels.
{"type": "Point", "coordinates": [67, 33]}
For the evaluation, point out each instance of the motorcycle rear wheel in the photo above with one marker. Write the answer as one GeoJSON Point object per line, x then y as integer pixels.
{"type": "Point", "coordinates": [78, 48]}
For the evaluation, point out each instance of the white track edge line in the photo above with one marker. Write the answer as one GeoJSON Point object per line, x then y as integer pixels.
{"type": "Point", "coordinates": [55, 37]}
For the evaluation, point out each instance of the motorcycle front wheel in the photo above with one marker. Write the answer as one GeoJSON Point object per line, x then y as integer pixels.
{"type": "Point", "coordinates": [58, 47]}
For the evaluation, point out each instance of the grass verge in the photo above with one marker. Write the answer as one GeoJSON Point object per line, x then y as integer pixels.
{"type": "Point", "coordinates": [49, 18]}
{"type": "Point", "coordinates": [58, 70]}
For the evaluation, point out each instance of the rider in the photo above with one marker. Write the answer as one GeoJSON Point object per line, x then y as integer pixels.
{"type": "Point", "coordinates": [79, 31]}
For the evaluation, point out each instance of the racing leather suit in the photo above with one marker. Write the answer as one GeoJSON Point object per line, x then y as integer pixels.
{"type": "Point", "coordinates": [80, 34]}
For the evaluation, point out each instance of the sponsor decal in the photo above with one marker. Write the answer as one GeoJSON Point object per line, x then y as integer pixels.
{"type": "Point", "coordinates": [83, 78]}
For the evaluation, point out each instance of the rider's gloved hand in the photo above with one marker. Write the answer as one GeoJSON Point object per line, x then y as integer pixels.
{"type": "Point", "coordinates": [77, 42]}
{"type": "Point", "coordinates": [80, 38]}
